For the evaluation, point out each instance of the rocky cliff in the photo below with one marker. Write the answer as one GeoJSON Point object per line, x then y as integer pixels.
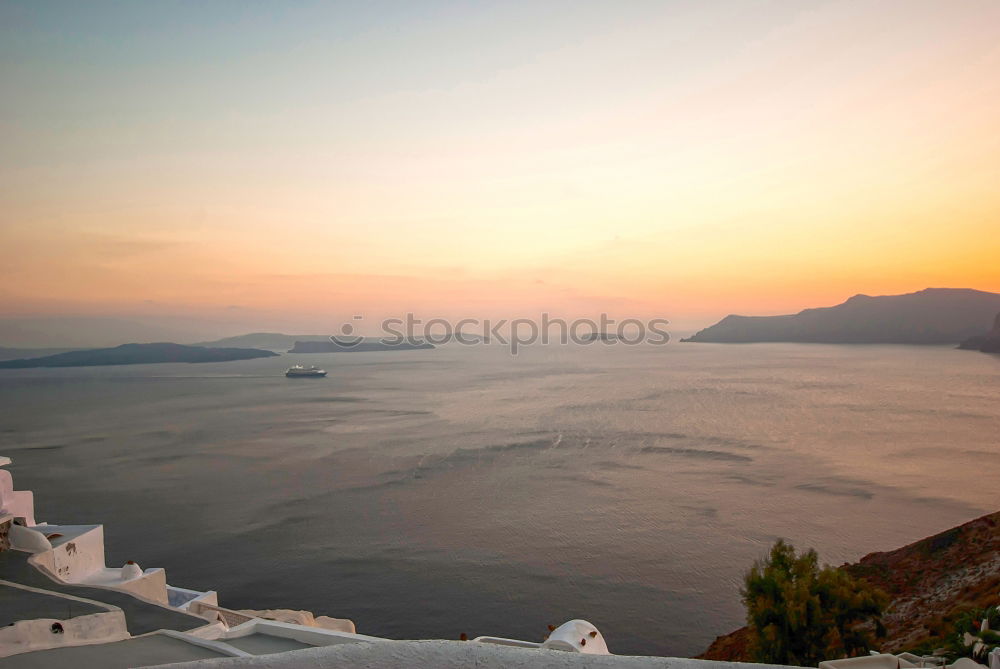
{"type": "Point", "coordinates": [930, 582]}
{"type": "Point", "coordinates": [987, 343]}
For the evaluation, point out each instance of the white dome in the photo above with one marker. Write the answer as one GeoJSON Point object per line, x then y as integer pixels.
{"type": "Point", "coordinates": [579, 636]}
{"type": "Point", "coordinates": [130, 570]}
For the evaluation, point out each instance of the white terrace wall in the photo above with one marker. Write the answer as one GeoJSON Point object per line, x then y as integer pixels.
{"type": "Point", "coordinates": [18, 503]}
{"type": "Point", "coordinates": [74, 560]}
{"type": "Point", "coordinates": [37, 634]}
{"type": "Point", "coordinates": [81, 560]}
{"type": "Point", "coordinates": [152, 585]}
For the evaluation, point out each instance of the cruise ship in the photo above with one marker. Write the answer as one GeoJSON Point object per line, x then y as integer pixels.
{"type": "Point", "coordinates": [298, 371]}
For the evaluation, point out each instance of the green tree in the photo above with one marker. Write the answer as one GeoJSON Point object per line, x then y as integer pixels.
{"type": "Point", "coordinates": [800, 613]}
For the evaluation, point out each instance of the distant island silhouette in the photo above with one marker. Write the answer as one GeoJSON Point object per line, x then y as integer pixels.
{"type": "Point", "coordinates": [138, 354]}
{"type": "Point", "coordinates": [13, 353]}
{"type": "Point", "coordinates": [930, 316]}
{"type": "Point", "coordinates": [277, 341]}
{"type": "Point", "coordinates": [349, 345]}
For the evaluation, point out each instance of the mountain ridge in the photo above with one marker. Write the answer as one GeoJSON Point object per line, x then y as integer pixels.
{"type": "Point", "coordinates": [929, 316]}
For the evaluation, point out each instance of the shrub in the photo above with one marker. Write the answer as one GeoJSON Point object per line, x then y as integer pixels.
{"type": "Point", "coordinates": [800, 613]}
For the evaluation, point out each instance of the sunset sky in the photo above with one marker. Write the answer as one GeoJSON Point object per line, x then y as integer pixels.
{"type": "Point", "coordinates": [253, 161]}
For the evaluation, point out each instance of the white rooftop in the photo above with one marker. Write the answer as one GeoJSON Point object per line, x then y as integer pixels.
{"type": "Point", "coordinates": [451, 655]}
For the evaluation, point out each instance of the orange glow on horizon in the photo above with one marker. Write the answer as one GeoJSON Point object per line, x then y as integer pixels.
{"type": "Point", "coordinates": [785, 159]}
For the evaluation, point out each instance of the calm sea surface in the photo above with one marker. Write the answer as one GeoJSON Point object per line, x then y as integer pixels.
{"type": "Point", "coordinates": [430, 493]}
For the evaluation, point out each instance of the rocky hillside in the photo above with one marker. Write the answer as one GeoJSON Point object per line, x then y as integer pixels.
{"type": "Point", "coordinates": [929, 581]}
